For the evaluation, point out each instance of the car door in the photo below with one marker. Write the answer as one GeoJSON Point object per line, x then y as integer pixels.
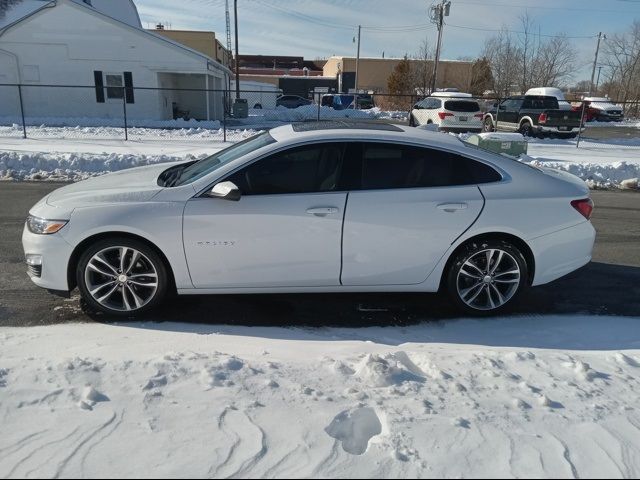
{"type": "Point", "coordinates": [285, 231]}
{"type": "Point", "coordinates": [421, 112]}
{"type": "Point", "coordinates": [410, 206]}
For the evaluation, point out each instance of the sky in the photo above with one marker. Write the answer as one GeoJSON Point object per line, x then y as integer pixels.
{"type": "Point", "coordinates": [322, 28]}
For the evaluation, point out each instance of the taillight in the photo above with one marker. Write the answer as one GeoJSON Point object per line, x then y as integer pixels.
{"type": "Point", "coordinates": [444, 115]}
{"type": "Point", "coordinates": [542, 118]}
{"type": "Point", "coordinates": [478, 115]}
{"type": "Point", "coordinates": [584, 206]}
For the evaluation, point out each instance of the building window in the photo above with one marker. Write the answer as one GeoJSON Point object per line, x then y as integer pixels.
{"type": "Point", "coordinates": [115, 85]}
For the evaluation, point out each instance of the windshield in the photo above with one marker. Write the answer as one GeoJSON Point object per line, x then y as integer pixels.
{"type": "Point", "coordinates": [199, 169]}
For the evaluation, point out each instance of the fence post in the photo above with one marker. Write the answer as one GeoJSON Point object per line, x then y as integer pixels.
{"type": "Point", "coordinates": [497, 114]}
{"type": "Point", "coordinates": [224, 115]}
{"type": "Point", "coordinates": [24, 126]}
{"type": "Point", "coordinates": [124, 109]}
{"type": "Point", "coordinates": [581, 122]}
{"type": "Point", "coordinates": [319, 104]}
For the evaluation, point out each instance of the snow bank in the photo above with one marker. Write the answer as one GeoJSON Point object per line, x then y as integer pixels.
{"type": "Point", "coordinates": [84, 122]}
{"type": "Point", "coordinates": [513, 397]}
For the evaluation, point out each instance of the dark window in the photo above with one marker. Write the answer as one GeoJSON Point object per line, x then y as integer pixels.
{"type": "Point", "coordinates": [128, 83]}
{"type": "Point", "coordinates": [541, 103]}
{"type": "Point", "coordinates": [307, 169]}
{"type": "Point", "coordinates": [461, 106]}
{"type": "Point", "coordinates": [115, 85]}
{"type": "Point", "coordinates": [386, 166]}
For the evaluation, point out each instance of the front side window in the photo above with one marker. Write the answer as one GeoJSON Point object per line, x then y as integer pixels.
{"type": "Point", "coordinates": [387, 166]}
{"type": "Point", "coordinates": [306, 169]}
{"type": "Point", "coordinates": [115, 86]}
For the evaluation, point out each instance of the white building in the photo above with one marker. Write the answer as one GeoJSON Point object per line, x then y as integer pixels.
{"type": "Point", "coordinates": [100, 44]}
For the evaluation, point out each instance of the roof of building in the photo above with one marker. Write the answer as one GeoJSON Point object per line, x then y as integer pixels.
{"type": "Point", "coordinates": [14, 11]}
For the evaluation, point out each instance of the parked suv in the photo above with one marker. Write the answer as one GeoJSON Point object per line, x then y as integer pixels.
{"type": "Point", "coordinates": [450, 111]}
{"type": "Point", "coordinates": [533, 115]}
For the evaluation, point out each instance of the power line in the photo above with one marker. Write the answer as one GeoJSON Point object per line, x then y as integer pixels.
{"type": "Point", "coordinates": [517, 32]}
{"type": "Point", "coordinates": [540, 7]}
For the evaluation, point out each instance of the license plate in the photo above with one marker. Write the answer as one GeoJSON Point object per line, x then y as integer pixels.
{"type": "Point", "coordinates": [564, 129]}
{"type": "Point", "coordinates": [463, 119]}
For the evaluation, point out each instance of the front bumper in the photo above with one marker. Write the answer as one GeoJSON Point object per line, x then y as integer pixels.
{"type": "Point", "coordinates": [562, 252]}
{"type": "Point", "coordinates": [55, 253]}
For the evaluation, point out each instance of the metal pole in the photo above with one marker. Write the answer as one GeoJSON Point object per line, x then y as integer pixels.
{"type": "Point", "coordinates": [584, 104]}
{"type": "Point", "coordinates": [235, 18]}
{"type": "Point", "coordinates": [224, 115]}
{"type": "Point", "coordinates": [24, 125]}
{"type": "Point", "coordinates": [319, 102]}
{"type": "Point", "coordinates": [358, 58]}
{"type": "Point", "coordinates": [124, 109]}
{"type": "Point", "coordinates": [595, 62]}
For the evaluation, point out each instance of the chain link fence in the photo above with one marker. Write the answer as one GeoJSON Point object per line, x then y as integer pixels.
{"type": "Point", "coordinates": [138, 113]}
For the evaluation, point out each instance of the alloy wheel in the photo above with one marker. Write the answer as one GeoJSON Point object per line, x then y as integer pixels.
{"type": "Point", "coordinates": [488, 279]}
{"type": "Point", "coordinates": [121, 278]}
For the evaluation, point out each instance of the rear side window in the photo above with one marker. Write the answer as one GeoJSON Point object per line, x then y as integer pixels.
{"type": "Point", "coordinates": [461, 106]}
{"type": "Point", "coordinates": [308, 169]}
{"type": "Point", "coordinates": [541, 103]}
{"type": "Point", "coordinates": [387, 166]}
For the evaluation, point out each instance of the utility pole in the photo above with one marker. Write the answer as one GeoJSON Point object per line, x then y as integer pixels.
{"type": "Point", "coordinates": [601, 36]}
{"type": "Point", "coordinates": [437, 14]}
{"type": "Point", "coordinates": [598, 79]}
{"type": "Point", "coordinates": [358, 57]}
{"type": "Point", "coordinates": [235, 17]}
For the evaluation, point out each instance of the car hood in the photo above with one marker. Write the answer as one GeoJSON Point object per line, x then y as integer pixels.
{"type": "Point", "coordinates": [132, 185]}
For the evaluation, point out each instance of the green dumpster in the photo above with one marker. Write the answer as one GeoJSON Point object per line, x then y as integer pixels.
{"type": "Point", "coordinates": [510, 143]}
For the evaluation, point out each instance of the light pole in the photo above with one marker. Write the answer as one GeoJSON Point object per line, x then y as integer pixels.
{"type": "Point", "coordinates": [437, 14]}
{"type": "Point", "coordinates": [598, 79]}
{"type": "Point", "coordinates": [235, 18]}
{"type": "Point", "coordinates": [358, 57]}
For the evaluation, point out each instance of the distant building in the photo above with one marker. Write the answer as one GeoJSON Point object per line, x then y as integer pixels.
{"type": "Point", "coordinates": [101, 43]}
{"type": "Point", "coordinates": [373, 73]}
{"type": "Point", "coordinates": [200, 41]}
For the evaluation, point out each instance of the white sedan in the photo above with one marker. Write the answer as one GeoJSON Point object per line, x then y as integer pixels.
{"type": "Point", "coordinates": [314, 208]}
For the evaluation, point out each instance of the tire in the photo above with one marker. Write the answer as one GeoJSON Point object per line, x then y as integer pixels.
{"type": "Point", "coordinates": [108, 288]}
{"type": "Point", "coordinates": [487, 125]}
{"type": "Point", "coordinates": [526, 129]}
{"type": "Point", "coordinates": [258, 106]}
{"type": "Point", "coordinates": [474, 289]}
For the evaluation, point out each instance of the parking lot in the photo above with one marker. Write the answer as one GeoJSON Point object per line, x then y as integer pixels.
{"type": "Point", "coordinates": [609, 285]}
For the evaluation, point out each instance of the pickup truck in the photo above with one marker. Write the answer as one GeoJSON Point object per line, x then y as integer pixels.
{"type": "Point", "coordinates": [533, 116]}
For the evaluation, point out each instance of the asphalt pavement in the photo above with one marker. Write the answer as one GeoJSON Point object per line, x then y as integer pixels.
{"type": "Point", "coordinates": [610, 285]}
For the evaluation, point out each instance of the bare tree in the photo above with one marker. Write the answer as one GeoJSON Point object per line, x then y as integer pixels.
{"type": "Point", "coordinates": [503, 54]}
{"type": "Point", "coordinates": [622, 57]}
{"type": "Point", "coordinates": [554, 62]}
{"type": "Point", "coordinates": [422, 68]}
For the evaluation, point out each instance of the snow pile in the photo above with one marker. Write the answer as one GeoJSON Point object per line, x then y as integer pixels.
{"type": "Point", "coordinates": [73, 166]}
{"type": "Point", "coordinates": [82, 122]}
{"type": "Point", "coordinates": [506, 397]}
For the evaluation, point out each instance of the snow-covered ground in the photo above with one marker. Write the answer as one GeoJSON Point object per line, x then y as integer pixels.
{"type": "Point", "coordinates": [551, 397]}
{"type": "Point", "coordinates": [75, 153]}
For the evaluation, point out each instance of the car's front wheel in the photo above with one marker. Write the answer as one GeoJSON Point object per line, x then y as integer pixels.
{"type": "Point", "coordinates": [486, 277]}
{"type": "Point", "coordinates": [487, 125]}
{"type": "Point", "coordinates": [121, 276]}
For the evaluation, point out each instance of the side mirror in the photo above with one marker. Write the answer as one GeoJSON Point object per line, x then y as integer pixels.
{"type": "Point", "coordinates": [226, 191]}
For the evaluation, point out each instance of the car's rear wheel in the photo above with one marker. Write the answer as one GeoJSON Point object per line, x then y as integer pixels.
{"type": "Point", "coordinates": [527, 130]}
{"type": "Point", "coordinates": [121, 276]}
{"type": "Point", "coordinates": [486, 277]}
{"type": "Point", "coordinates": [487, 125]}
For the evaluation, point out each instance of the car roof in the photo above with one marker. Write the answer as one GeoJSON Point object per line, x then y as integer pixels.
{"type": "Point", "coordinates": [361, 131]}
{"type": "Point", "coordinates": [451, 95]}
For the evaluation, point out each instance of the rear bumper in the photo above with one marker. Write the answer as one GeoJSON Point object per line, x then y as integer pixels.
{"type": "Point", "coordinates": [557, 131]}
{"type": "Point", "coordinates": [562, 252]}
{"type": "Point", "coordinates": [55, 253]}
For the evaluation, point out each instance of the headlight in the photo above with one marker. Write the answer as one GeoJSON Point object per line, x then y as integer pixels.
{"type": "Point", "coordinates": [44, 227]}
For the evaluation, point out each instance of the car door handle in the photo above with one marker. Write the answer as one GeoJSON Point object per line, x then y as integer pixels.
{"type": "Point", "coordinates": [322, 211]}
{"type": "Point", "coordinates": [452, 207]}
